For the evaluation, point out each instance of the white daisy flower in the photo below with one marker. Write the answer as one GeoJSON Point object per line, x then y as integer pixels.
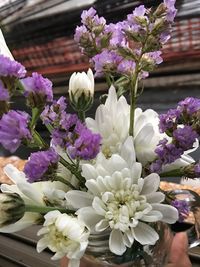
{"type": "Point", "coordinates": [112, 123]}
{"type": "Point", "coordinates": [64, 235]}
{"type": "Point", "coordinates": [119, 200]}
{"type": "Point", "coordinates": [38, 193]}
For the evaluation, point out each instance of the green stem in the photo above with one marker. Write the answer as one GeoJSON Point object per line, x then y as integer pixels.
{"type": "Point", "coordinates": [62, 180]}
{"type": "Point", "coordinates": [45, 209]}
{"type": "Point", "coordinates": [133, 91]}
{"type": "Point", "coordinates": [81, 115]}
{"type": "Point", "coordinates": [39, 140]}
{"type": "Point", "coordinates": [73, 170]}
{"type": "Point", "coordinates": [173, 173]}
{"type": "Point", "coordinates": [35, 116]}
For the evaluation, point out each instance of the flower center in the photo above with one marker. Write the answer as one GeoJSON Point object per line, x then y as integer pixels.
{"type": "Point", "coordinates": [125, 207]}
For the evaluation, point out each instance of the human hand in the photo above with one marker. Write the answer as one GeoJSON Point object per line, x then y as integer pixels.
{"type": "Point", "coordinates": [179, 252]}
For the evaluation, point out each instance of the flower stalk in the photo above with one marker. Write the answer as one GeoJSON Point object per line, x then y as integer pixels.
{"type": "Point", "coordinates": [44, 210]}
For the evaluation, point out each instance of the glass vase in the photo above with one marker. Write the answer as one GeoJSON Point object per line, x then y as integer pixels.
{"type": "Point", "coordinates": [99, 255]}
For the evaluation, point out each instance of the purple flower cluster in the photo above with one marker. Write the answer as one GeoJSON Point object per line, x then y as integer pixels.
{"type": "Point", "coordinates": [86, 145]}
{"type": "Point", "coordinates": [11, 68]}
{"type": "Point", "coordinates": [41, 165]}
{"type": "Point", "coordinates": [74, 137]}
{"type": "Point", "coordinates": [104, 44]}
{"type": "Point", "coordinates": [54, 113]}
{"type": "Point", "coordinates": [38, 85]}
{"type": "Point", "coordinates": [14, 129]}
{"type": "Point", "coordinates": [4, 95]}
{"type": "Point", "coordinates": [185, 137]}
{"type": "Point", "coordinates": [69, 133]}
{"type": "Point", "coordinates": [190, 105]}
{"type": "Point", "coordinates": [169, 120]}
{"type": "Point", "coordinates": [183, 208]}
{"type": "Point", "coordinates": [197, 169]}
{"type": "Point", "coordinates": [107, 61]}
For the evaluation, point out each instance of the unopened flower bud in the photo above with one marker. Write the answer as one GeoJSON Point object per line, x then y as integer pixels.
{"type": "Point", "coordinates": [4, 50]}
{"type": "Point", "coordinates": [12, 208]}
{"type": "Point", "coordinates": [81, 90]}
{"type": "Point", "coordinates": [141, 20]}
{"type": "Point", "coordinates": [160, 10]}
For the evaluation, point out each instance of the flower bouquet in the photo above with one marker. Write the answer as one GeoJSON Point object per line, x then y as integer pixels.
{"type": "Point", "coordinates": [94, 188]}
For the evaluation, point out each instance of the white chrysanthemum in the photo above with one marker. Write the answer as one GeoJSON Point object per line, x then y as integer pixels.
{"type": "Point", "coordinates": [64, 235]}
{"type": "Point", "coordinates": [38, 193]}
{"type": "Point", "coordinates": [112, 122]}
{"type": "Point", "coordinates": [119, 200]}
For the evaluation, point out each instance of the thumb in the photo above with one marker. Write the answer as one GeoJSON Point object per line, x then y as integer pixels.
{"type": "Point", "coordinates": [179, 247]}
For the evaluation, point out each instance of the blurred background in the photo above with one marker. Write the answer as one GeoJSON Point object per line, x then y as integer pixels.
{"type": "Point", "coordinates": [40, 33]}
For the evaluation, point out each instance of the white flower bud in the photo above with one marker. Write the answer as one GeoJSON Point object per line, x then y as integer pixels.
{"type": "Point", "coordinates": [81, 90]}
{"type": "Point", "coordinates": [12, 208]}
{"type": "Point", "coordinates": [4, 50]}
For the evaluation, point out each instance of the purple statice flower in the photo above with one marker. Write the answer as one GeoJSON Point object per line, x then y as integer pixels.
{"type": "Point", "coordinates": [138, 12]}
{"type": "Point", "coordinates": [87, 144]}
{"type": "Point", "coordinates": [41, 165]}
{"type": "Point", "coordinates": [88, 14]}
{"type": "Point", "coordinates": [11, 68]}
{"type": "Point", "coordinates": [183, 208]}
{"type": "Point", "coordinates": [155, 57]}
{"type": "Point", "coordinates": [4, 95]}
{"type": "Point", "coordinates": [190, 105]}
{"type": "Point", "coordinates": [118, 37]}
{"type": "Point", "coordinates": [169, 120]}
{"type": "Point", "coordinates": [164, 37]}
{"type": "Point", "coordinates": [80, 32]}
{"type": "Point", "coordinates": [171, 10]}
{"type": "Point", "coordinates": [126, 67]}
{"type": "Point", "coordinates": [185, 137]}
{"type": "Point", "coordinates": [14, 129]}
{"type": "Point", "coordinates": [38, 85]}
{"type": "Point", "coordinates": [106, 61]}
{"type": "Point", "coordinates": [166, 154]}
{"type": "Point", "coordinates": [52, 114]}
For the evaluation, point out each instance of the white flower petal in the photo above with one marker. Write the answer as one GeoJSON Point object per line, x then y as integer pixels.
{"type": "Point", "coordinates": [155, 197]}
{"type": "Point", "coordinates": [102, 225]}
{"type": "Point", "coordinates": [170, 214]}
{"type": "Point", "coordinates": [116, 243]}
{"type": "Point", "coordinates": [128, 151]}
{"type": "Point", "coordinates": [145, 234]}
{"type": "Point", "coordinates": [151, 184]}
{"type": "Point", "coordinates": [89, 172]}
{"type": "Point", "coordinates": [27, 220]}
{"type": "Point", "coordinates": [152, 216]}
{"type": "Point", "coordinates": [79, 199]}
{"type": "Point", "coordinates": [89, 217]}
{"type": "Point", "coordinates": [99, 206]}
{"type": "Point", "coordinates": [73, 263]}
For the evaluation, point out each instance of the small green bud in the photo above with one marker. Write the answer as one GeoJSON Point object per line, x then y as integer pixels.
{"type": "Point", "coordinates": [160, 11]}
{"type": "Point", "coordinates": [141, 20]}
{"type": "Point", "coordinates": [12, 208]}
{"type": "Point", "coordinates": [4, 108]}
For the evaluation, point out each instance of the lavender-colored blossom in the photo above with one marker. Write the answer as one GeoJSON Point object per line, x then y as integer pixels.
{"type": "Point", "coordinates": [41, 165]}
{"type": "Point", "coordinates": [183, 208]}
{"type": "Point", "coordinates": [39, 85]}
{"type": "Point", "coordinates": [155, 57]}
{"type": "Point", "coordinates": [52, 114]}
{"type": "Point", "coordinates": [171, 10]}
{"type": "Point", "coordinates": [118, 37]}
{"type": "Point", "coordinates": [11, 68]}
{"type": "Point", "coordinates": [138, 12]}
{"type": "Point", "coordinates": [90, 13]}
{"type": "Point", "coordinates": [164, 37]}
{"type": "Point", "coordinates": [87, 144]}
{"type": "Point", "coordinates": [107, 61]}
{"type": "Point", "coordinates": [14, 129]}
{"type": "Point", "coordinates": [80, 32]}
{"type": "Point", "coordinates": [189, 105]}
{"type": "Point", "coordinates": [185, 137]}
{"type": "Point", "coordinates": [169, 120]}
{"type": "Point", "coordinates": [126, 67]}
{"type": "Point", "coordinates": [4, 95]}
